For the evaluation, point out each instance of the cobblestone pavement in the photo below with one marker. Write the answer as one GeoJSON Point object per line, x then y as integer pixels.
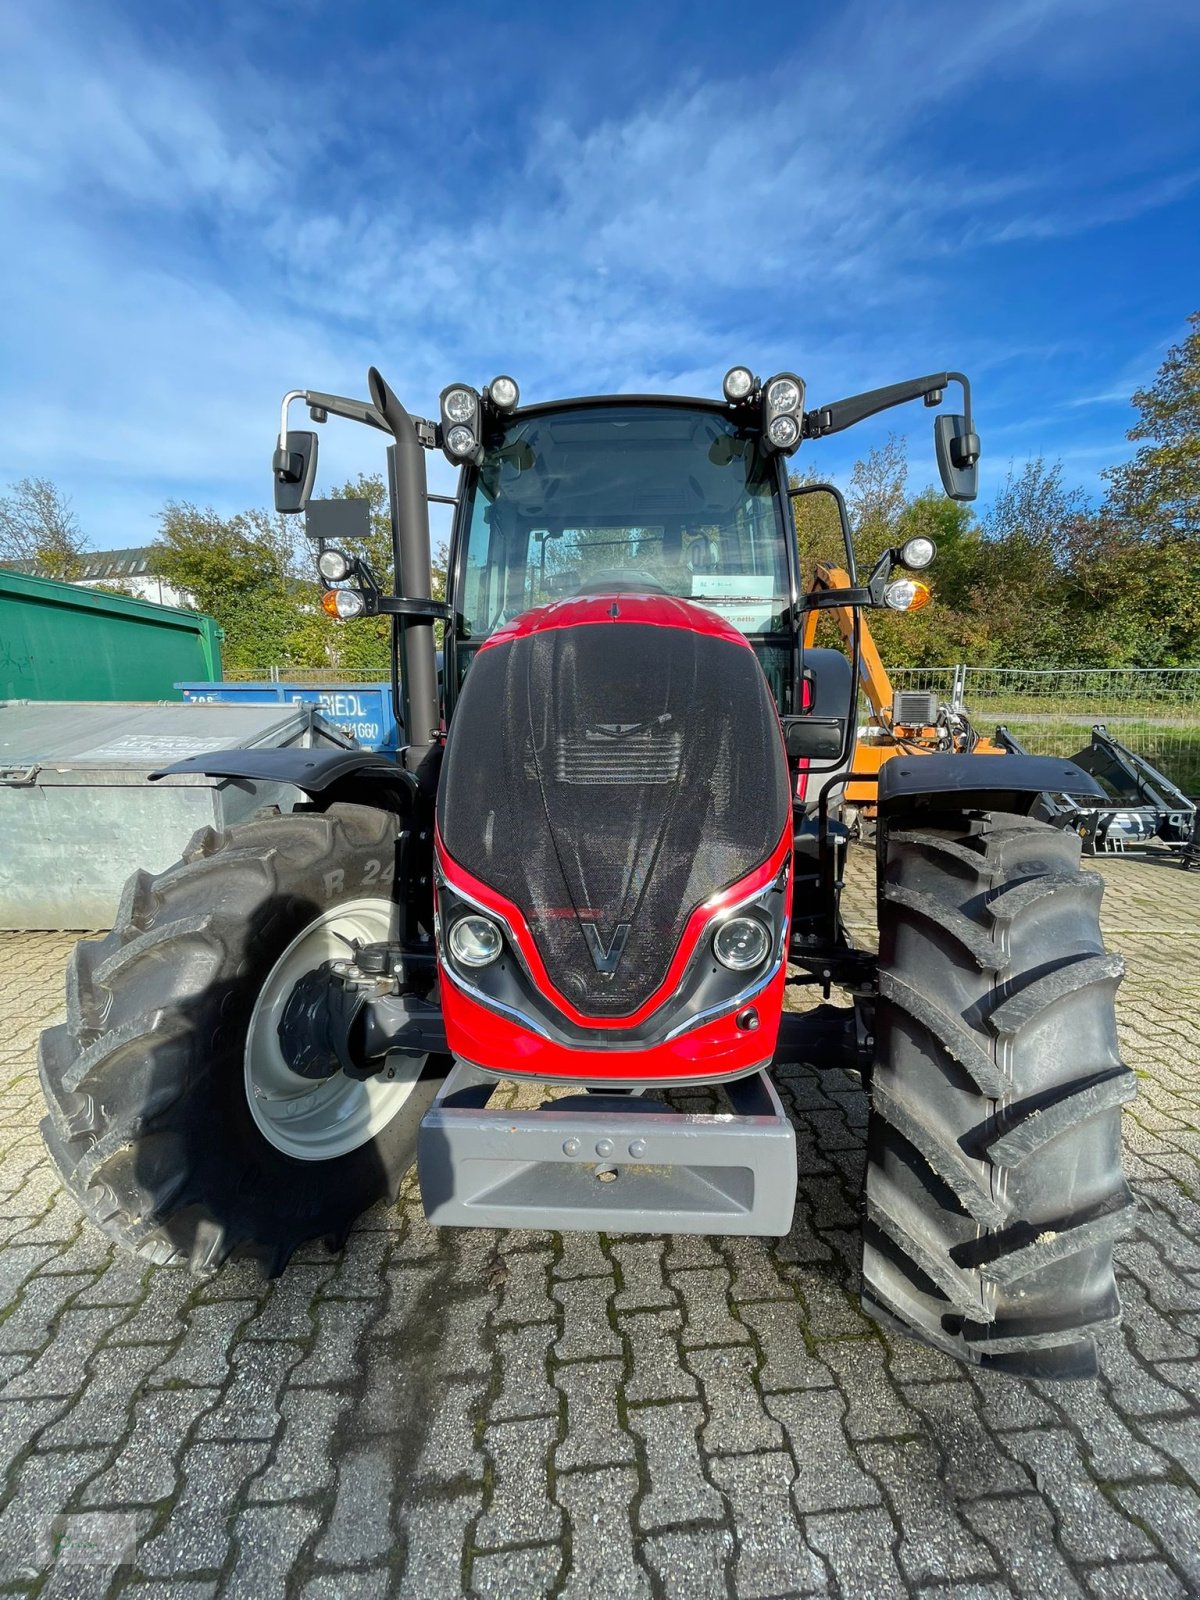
{"type": "Point", "coordinates": [524, 1414]}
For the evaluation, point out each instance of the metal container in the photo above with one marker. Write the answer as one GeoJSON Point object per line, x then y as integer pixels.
{"type": "Point", "coordinates": [78, 813]}
{"type": "Point", "coordinates": [62, 642]}
{"type": "Point", "coordinates": [361, 710]}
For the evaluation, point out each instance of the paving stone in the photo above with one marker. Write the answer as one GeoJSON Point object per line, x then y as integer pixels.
{"type": "Point", "coordinates": [755, 1271]}
{"type": "Point", "coordinates": [360, 1528]}
{"type": "Point", "coordinates": [146, 1470]}
{"type": "Point", "coordinates": [509, 1574]}
{"type": "Point", "coordinates": [61, 1369]}
{"type": "Point", "coordinates": [934, 1543]}
{"type": "Point", "coordinates": [828, 1478]}
{"type": "Point", "coordinates": [463, 1339]}
{"type": "Point", "coordinates": [20, 1423]}
{"type": "Point", "coordinates": [170, 1589]}
{"type": "Point", "coordinates": [42, 1492]}
{"type": "Point", "coordinates": [525, 1291]}
{"type": "Point", "coordinates": [1007, 1402]}
{"type": "Point", "coordinates": [858, 1546]}
{"type": "Point", "coordinates": [707, 1317]}
{"type": "Point", "coordinates": [643, 1287]}
{"type": "Point", "coordinates": [196, 1535]}
{"type": "Point", "coordinates": [413, 1290]}
{"type": "Point", "coordinates": [159, 1318]}
{"type": "Point", "coordinates": [594, 1436]}
{"type": "Point", "coordinates": [1172, 1513]}
{"type": "Point", "coordinates": [1020, 1528]}
{"type": "Point", "coordinates": [1143, 1580]}
{"type": "Point", "coordinates": [335, 1355]}
{"type": "Point", "coordinates": [29, 1325]}
{"type": "Point", "coordinates": [525, 1390]}
{"type": "Point", "coordinates": [658, 1370]}
{"type": "Point", "coordinates": [831, 1311]}
{"type": "Point", "coordinates": [1113, 1451]}
{"type": "Point", "coordinates": [372, 1585]}
{"type": "Point", "coordinates": [874, 1408]}
{"type": "Point", "coordinates": [269, 1539]}
{"type": "Point", "coordinates": [974, 1461]}
{"type": "Point", "coordinates": [586, 1328]}
{"type": "Point", "coordinates": [204, 1355]}
{"type": "Point", "coordinates": [450, 1453]}
{"type": "Point", "coordinates": [580, 1256]}
{"type": "Point", "coordinates": [303, 1460]}
{"type": "Point", "coordinates": [690, 1564]}
{"type": "Point", "coordinates": [1137, 1389]}
{"type": "Point", "coordinates": [787, 1364]}
{"type": "Point", "coordinates": [521, 1511]}
{"type": "Point", "coordinates": [249, 1407]}
{"type": "Point", "coordinates": [360, 1269]}
{"type": "Point", "coordinates": [101, 1414]}
{"type": "Point", "coordinates": [433, 1532]}
{"type": "Point", "coordinates": [602, 1544]}
{"type": "Point", "coordinates": [736, 1418]}
{"type": "Point", "coordinates": [690, 1250]}
{"type": "Point", "coordinates": [123, 1282]}
{"type": "Point", "coordinates": [1088, 1526]}
{"type": "Point", "coordinates": [772, 1558]}
{"type": "Point", "coordinates": [679, 1493]}
{"type": "Point", "coordinates": [287, 1312]}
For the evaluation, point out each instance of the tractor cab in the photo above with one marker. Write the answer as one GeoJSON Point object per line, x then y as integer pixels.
{"type": "Point", "coordinates": [627, 496]}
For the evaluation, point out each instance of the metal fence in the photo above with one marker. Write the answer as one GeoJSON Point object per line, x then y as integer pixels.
{"type": "Point", "coordinates": [313, 677]}
{"type": "Point", "coordinates": [1155, 711]}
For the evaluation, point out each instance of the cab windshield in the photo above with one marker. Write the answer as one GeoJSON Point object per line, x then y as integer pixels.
{"type": "Point", "coordinates": [662, 498]}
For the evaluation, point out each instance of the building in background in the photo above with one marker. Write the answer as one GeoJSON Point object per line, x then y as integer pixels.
{"type": "Point", "coordinates": [130, 571]}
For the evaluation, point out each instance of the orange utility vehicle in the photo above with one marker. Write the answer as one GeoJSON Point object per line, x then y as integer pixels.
{"type": "Point", "coordinates": [902, 721]}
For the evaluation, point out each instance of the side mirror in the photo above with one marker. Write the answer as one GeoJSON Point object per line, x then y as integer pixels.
{"type": "Point", "coordinates": [338, 521]}
{"type": "Point", "coordinates": [957, 456]}
{"type": "Point", "coordinates": [813, 738]}
{"type": "Point", "coordinates": [294, 467]}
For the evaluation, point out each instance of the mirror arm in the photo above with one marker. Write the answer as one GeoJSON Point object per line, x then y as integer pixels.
{"type": "Point", "coordinates": [845, 413]}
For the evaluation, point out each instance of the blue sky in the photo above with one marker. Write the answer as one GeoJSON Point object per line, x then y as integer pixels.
{"type": "Point", "coordinates": [204, 205]}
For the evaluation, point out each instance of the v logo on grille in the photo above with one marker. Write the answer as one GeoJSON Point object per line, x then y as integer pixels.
{"type": "Point", "coordinates": [605, 960]}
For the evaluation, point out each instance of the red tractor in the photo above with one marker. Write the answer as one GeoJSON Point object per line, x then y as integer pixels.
{"type": "Point", "coordinates": [612, 841]}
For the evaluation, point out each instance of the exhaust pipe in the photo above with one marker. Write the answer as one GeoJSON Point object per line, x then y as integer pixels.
{"type": "Point", "coordinates": [408, 490]}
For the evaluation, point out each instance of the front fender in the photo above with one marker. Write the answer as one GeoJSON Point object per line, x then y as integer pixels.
{"type": "Point", "coordinates": [990, 782]}
{"type": "Point", "coordinates": [359, 777]}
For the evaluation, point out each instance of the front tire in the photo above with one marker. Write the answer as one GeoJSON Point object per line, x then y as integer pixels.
{"type": "Point", "coordinates": [994, 1188]}
{"type": "Point", "coordinates": [172, 1118]}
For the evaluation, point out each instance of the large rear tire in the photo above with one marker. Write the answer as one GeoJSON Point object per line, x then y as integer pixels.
{"type": "Point", "coordinates": [994, 1189]}
{"type": "Point", "coordinates": [171, 1116]}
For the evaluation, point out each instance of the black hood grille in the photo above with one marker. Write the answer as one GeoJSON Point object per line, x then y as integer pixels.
{"type": "Point", "coordinates": [608, 778]}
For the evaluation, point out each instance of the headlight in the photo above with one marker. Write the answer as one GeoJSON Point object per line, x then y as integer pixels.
{"type": "Point", "coordinates": [739, 382]}
{"type": "Point", "coordinates": [783, 431]}
{"type": "Point", "coordinates": [343, 603]}
{"type": "Point", "coordinates": [460, 441]}
{"type": "Point", "coordinates": [333, 565]}
{"type": "Point", "coordinates": [741, 943]}
{"type": "Point", "coordinates": [459, 405]}
{"type": "Point", "coordinates": [504, 394]}
{"type": "Point", "coordinates": [917, 553]}
{"type": "Point", "coordinates": [783, 395]}
{"type": "Point", "coordinates": [475, 941]}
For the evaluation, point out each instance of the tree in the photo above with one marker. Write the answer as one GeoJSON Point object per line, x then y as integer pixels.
{"type": "Point", "coordinates": [38, 525]}
{"type": "Point", "coordinates": [240, 570]}
{"type": "Point", "coordinates": [1157, 494]}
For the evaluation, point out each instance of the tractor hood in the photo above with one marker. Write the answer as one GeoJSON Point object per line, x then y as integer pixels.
{"type": "Point", "coordinates": [613, 763]}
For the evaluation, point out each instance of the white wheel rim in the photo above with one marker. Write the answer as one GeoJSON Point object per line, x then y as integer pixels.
{"type": "Point", "coordinates": [321, 1120]}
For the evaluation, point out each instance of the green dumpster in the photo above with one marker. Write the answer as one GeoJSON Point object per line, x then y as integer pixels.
{"type": "Point", "coordinates": [61, 642]}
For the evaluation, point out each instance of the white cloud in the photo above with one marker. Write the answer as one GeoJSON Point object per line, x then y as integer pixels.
{"type": "Point", "coordinates": [195, 235]}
